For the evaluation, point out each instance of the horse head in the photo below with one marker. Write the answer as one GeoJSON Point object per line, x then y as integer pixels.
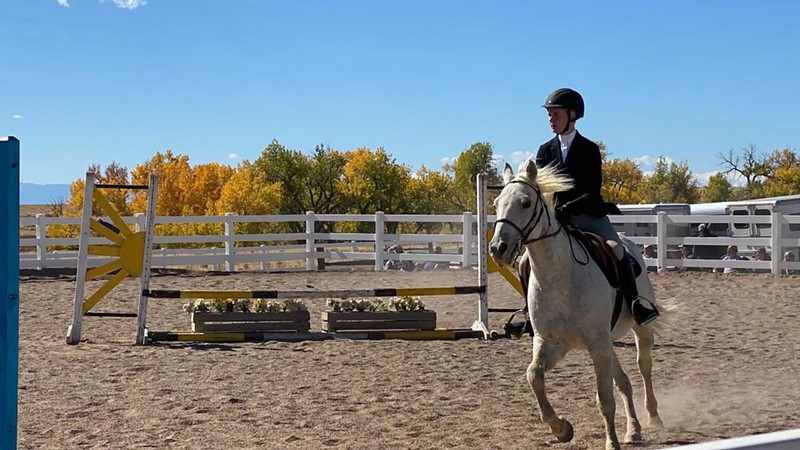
{"type": "Point", "coordinates": [524, 209]}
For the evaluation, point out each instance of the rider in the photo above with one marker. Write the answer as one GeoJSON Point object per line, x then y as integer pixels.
{"type": "Point", "coordinates": [583, 205]}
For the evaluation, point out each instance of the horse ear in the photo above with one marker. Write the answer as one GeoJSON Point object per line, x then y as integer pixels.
{"type": "Point", "coordinates": [529, 167]}
{"type": "Point", "coordinates": [508, 173]}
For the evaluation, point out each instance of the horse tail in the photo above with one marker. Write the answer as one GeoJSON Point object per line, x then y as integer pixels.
{"type": "Point", "coordinates": [667, 321]}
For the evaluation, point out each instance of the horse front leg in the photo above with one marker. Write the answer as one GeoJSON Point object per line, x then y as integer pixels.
{"type": "Point", "coordinates": [546, 354]}
{"type": "Point", "coordinates": [644, 346]}
{"type": "Point", "coordinates": [603, 357]}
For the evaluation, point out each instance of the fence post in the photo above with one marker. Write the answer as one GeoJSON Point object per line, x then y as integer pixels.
{"type": "Point", "coordinates": [213, 266]}
{"type": "Point", "coordinates": [264, 260]}
{"type": "Point", "coordinates": [466, 251]}
{"type": "Point", "coordinates": [380, 220]}
{"type": "Point", "coordinates": [41, 248]}
{"type": "Point", "coordinates": [138, 222]}
{"type": "Point", "coordinates": [311, 261]}
{"type": "Point", "coordinates": [9, 290]}
{"type": "Point", "coordinates": [662, 219]}
{"type": "Point", "coordinates": [229, 242]}
{"type": "Point", "coordinates": [777, 251]}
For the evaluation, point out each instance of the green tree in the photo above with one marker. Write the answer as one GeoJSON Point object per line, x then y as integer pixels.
{"type": "Point", "coordinates": [670, 183]}
{"type": "Point", "coordinates": [478, 158]}
{"type": "Point", "coordinates": [430, 191]}
{"type": "Point", "coordinates": [719, 189]}
{"type": "Point", "coordinates": [290, 168]}
{"type": "Point", "coordinates": [324, 183]}
{"type": "Point", "coordinates": [785, 178]}
{"type": "Point", "coordinates": [752, 166]}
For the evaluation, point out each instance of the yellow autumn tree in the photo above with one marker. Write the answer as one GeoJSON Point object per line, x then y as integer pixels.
{"type": "Point", "coordinates": [247, 192]}
{"type": "Point", "coordinates": [785, 179]}
{"type": "Point", "coordinates": [177, 194]}
{"type": "Point", "coordinates": [174, 179]}
{"type": "Point", "coordinates": [374, 181]}
{"type": "Point", "coordinates": [205, 188]}
{"type": "Point", "coordinates": [114, 173]}
{"type": "Point", "coordinates": [622, 180]}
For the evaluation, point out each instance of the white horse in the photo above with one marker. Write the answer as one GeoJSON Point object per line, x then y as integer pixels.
{"type": "Point", "coordinates": [570, 304]}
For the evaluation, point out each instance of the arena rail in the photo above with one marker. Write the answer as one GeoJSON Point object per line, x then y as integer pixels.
{"type": "Point", "coordinates": [232, 251]}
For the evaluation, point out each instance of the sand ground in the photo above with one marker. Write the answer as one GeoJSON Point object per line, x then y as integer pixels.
{"type": "Point", "coordinates": [728, 367]}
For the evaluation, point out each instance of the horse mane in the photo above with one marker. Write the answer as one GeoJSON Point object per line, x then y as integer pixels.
{"type": "Point", "coordinates": [550, 180]}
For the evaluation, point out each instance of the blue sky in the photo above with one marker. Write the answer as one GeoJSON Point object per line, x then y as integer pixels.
{"type": "Point", "coordinates": [94, 81]}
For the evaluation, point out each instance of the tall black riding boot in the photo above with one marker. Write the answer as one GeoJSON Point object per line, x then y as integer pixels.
{"type": "Point", "coordinates": [643, 312]}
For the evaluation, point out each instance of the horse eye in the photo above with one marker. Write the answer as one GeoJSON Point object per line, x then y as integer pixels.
{"type": "Point", "coordinates": [526, 202]}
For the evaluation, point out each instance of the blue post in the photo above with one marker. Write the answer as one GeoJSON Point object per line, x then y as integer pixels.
{"type": "Point", "coordinates": [9, 289]}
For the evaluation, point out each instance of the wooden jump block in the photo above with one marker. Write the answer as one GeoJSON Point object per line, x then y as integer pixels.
{"type": "Point", "coordinates": [378, 320]}
{"type": "Point", "coordinates": [233, 322]}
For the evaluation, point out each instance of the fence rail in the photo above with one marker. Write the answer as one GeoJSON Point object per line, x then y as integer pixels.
{"type": "Point", "coordinates": [311, 250]}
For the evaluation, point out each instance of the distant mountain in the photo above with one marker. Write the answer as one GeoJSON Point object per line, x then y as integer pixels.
{"type": "Point", "coordinates": [43, 194]}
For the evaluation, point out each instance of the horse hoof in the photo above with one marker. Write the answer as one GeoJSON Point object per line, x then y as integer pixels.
{"type": "Point", "coordinates": [566, 431]}
{"type": "Point", "coordinates": [494, 335]}
{"type": "Point", "coordinates": [655, 422]}
{"type": "Point", "coordinates": [633, 437]}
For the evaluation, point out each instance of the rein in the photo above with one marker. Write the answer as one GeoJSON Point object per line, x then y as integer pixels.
{"type": "Point", "coordinates": [536, 217]}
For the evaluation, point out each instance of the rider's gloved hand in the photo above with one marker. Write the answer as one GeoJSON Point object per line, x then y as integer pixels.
{"type": "Point", "coordinates": [562, 213]}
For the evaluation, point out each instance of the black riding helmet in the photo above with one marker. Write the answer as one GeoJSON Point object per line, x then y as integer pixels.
{"type": "Point", "coordinates": [566, 98]}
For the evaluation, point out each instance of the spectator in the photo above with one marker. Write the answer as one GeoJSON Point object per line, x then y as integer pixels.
{"type": "Point", "coordinates": [703, 231]}
{"type": "Point", "coordinates": [435, 265]}
{"type": "Point", "coordinates": [397, 264]}
{"type": "Point", "coordinates": [687, 252]}
{"type": "Point", "coordinates": [706, 251]}
{"type": "Point", "coordinates": [731, 255]}
{"type": "Point", "coordinates": [649, 251]}
{"type": "Point", "coordinates": [789, 258]}
{"type": "Point", "coordinates": [761, 255]}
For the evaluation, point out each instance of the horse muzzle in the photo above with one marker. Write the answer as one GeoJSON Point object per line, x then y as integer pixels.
{"type": "Point", "coordinates": [502, 251]}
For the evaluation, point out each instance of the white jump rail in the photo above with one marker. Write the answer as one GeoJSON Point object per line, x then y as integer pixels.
{"type": "Point", "coordinates": [779, 440]}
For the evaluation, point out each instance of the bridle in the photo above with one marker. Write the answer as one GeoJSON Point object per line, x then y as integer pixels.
{"type": "Point", "coordinates": [536, 217]}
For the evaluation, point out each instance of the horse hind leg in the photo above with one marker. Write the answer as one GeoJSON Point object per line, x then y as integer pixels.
{"type": "Point", "coordinates": [546, 354]}
{"type": "Point", "coordinates": [644, 346]}
{"type": "Point", "coordinates": [634, 428]}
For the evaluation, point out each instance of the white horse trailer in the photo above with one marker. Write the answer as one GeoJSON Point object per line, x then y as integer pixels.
{"type": "Point", "coordinates": [787, 205]}
{"type": "Point", "coordinates": [649, 229]}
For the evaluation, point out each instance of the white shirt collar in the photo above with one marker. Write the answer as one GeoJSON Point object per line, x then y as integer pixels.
{"type": "Point", "coordinates": [566, 142]}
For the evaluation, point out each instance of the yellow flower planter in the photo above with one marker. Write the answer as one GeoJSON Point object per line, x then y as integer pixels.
{"type": "Point", "coordinates": [378, 320]}
{"type": "Point", "coordinates": [234, 322]}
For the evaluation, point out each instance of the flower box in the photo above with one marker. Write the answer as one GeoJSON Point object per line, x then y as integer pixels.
{"type": "Point", "coordinates": [378, 320]}
{"type": "Point", "coordinates": [222, 322]}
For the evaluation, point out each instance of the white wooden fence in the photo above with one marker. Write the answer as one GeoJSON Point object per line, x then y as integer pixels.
{"type": "Point", "coordinates": [302, 251]}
